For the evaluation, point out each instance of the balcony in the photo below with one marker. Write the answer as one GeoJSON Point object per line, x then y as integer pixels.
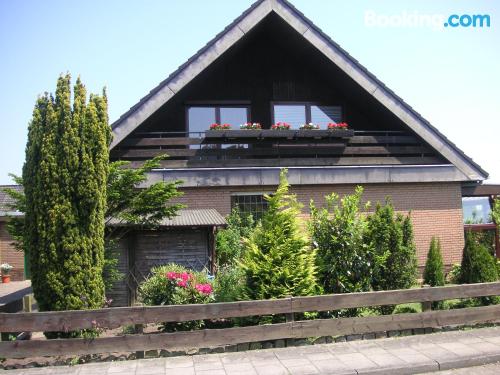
{"type": "Point", "coordinates": [276, 149]}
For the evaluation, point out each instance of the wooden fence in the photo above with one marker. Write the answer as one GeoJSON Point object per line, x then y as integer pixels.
{"type": "Point", "coordinates": [120, 316]}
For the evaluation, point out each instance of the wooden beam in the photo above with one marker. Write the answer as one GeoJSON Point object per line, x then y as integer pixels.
{"type": "Point", "coordinates": [215, 337]}
{"type": "Point", "coordinates": [119, 316]}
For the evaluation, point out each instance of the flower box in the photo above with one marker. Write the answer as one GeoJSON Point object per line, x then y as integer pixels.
{"type": "Point", "coordinates": [341, 133]}
{"type": "Point", "coordinates": [269, 133]}
{"type": "Point", "coordinates": [313, 133]}
{"type": "Point", "coordinates": [243, 133]}
{"type": "Point", "coordinates": [215, 133]}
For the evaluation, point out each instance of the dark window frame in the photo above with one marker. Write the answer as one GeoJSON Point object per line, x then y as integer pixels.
{"type": "Point", "coordinates": [257, 214]}
{"type": "Point", "coordinates": [308, 105]}
{"type": "Point", "coordinates": [217, 105]}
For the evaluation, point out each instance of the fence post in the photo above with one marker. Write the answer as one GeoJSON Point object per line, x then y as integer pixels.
{"type": "Point", "coordinates": [427, 305]}
{"type": "Point", "coordinates": [139, 329]}
{"type": "Point", "coordinates": [290, 319]}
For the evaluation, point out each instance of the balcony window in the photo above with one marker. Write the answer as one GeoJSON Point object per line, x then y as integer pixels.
{"type": "Point", "coordinates": [201, 117]}
{"type": "Point", "coordinates": [298, 114]}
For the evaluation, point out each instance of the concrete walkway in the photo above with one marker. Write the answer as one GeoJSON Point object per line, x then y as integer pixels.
{"type": "Point", "coordinates": [404, 355]}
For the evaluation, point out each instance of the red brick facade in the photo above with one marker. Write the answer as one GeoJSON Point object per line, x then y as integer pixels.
{"type": "Point", "coordinates": [10, 255]}
{"type": "Point", "coordinates": [436, 208]}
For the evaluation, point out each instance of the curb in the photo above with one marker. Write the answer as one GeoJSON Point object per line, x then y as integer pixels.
{"type": "Point", "coordinates": [439, 365]}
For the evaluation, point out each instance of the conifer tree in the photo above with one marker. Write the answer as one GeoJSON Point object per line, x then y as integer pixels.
{"type": "Point", "coordinates": [64, 178]}
{"type": "Point", "coordinates": [478, 265]}
{"type": "Point", "coordinates": [394, 260]}
{"type": "Point", "coordinates": [278, 260]}
{"type": "Point", "coordinates": [434, 272]}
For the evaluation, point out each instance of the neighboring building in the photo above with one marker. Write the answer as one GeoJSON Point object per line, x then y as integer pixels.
{"type": "Point", "coordinates": [273, 64]}
{"type": "Point", "coordinates": [8, 253]}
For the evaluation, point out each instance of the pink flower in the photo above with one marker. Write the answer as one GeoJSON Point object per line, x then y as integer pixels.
{"type": "Point", "coordinates": [185, 276]}
{"type": "Point", "coordinates": [171, 275]}
{"type": "Point", "coordinates": [204, 288]}
{"type": "Point", "coordinates": [182, 283]}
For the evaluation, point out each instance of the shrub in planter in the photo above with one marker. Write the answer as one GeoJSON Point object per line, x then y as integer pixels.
{"type": "Point", "coordinates": [173, 284]}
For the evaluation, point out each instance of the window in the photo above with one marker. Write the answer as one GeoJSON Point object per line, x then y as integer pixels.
{"type": "Point", "coordinates": [250, 203]}
{"type": "Point", "coordinates": [298, 114]}
{"type": "Point", "coordinates": [201, 117]}
{"type": "Point", "coordinates": [476, 210]}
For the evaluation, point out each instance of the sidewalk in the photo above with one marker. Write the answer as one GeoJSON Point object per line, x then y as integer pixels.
{"type": "Point", "coordinates": [404, 355]}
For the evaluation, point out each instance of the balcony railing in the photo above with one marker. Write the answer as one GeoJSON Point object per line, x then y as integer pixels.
{"type": "Point", "coordinates": [293, 149]}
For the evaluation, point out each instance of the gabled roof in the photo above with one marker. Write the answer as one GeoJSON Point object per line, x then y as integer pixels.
{"type": "Point", "coordinates": [161, 94]}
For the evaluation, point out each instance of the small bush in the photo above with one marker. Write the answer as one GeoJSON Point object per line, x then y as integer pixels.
{"type": "Point", "coordinates": [433, 272]}
{"type": "Point", "coordinates": [453, 277]}
{"type": "Point", "coordinates": [229, 241]}
{"type": "Point", "coordinates": [173, 284]}
{"type": "Point", "coordinates": [478, 265]}
{"type": "Point", "coordinates": [390, 237]}
{"type": "Point", "coordinates": [229, 283]}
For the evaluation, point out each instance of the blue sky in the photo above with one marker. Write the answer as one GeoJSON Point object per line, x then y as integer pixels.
{"type": "Point", "coordinates": [451, 76]}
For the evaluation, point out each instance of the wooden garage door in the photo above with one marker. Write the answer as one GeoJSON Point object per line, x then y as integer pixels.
{"type": "Point", "coordinates": [186, 247]}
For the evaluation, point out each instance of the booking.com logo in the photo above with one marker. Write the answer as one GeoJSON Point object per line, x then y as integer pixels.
{"type": "Point", "coordinates": [434, 21]}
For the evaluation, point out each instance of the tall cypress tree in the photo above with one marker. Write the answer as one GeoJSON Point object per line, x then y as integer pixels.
{"type": "Point", "coordinates": [64, 177]}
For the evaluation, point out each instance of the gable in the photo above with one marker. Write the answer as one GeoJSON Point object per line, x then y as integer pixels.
{"type": "Point", "coordinates": [348, 70]}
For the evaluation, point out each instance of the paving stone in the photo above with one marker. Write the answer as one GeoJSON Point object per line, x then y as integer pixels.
{"type": "Point", "coordinates": [239, 368]}
{"type": "Point", "coordinates": [334, 366]}
{"type": "Point", "coordinates": [271, 369]}
{"type": "Point", "coordinates": [356, 360]}
{"type": "Point", "coordinates": [458, 348]}
{"type": "Point", "coordinates": [303, 370]}
{"type": "Point", "coordinates": [177, 371]}
{"type": "Point", "coordinates": [211, 372]}
{"type": "Point", "coordinates": [296, 362]}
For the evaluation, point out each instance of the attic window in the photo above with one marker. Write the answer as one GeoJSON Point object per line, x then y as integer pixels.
{"type": "Point", "coordinates": [297, 114]}
{"type": "Point", "coordinates": [200, 118]}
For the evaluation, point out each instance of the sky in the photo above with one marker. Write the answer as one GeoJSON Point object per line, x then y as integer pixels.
{"type": "Point", "coordinates": [449, 75]}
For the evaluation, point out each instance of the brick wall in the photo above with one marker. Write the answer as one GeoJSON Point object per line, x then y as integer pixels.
{"type": "Point", "coordinates": [436, 208]}
{"type": "Point", "coordinates": [10, 255]}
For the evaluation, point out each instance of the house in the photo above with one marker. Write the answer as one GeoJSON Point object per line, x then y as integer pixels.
{"type": "Point", "coordinates": [271, 65]}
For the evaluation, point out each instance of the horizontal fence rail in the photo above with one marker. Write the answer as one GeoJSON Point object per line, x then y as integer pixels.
{"type": "Point", "coordinates": [116, 317]}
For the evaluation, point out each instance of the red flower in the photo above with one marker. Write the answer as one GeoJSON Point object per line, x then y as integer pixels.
{"type": "Point", "coordinates": [182, 283]}
{"type": "Point", "coordinates": [171, 275]}
{"type": "Point", "coordinates": [185, 276]}
{"type": "Point", "coordinates": [204, 288]}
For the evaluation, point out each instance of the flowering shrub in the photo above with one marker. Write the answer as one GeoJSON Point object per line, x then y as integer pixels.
{"type": "Point", "coordinates": [216, 126]}
{"type": "Point", "coordinates": [251, 126]}
{"type": "Point", "coordinates": [280, 126]}
{"type": "Point", "coordinates": [309, 126]}
{"type": "Point", "coordinates": [337, 126]}
{"type": "Point", "coordinates": [173, 284]}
